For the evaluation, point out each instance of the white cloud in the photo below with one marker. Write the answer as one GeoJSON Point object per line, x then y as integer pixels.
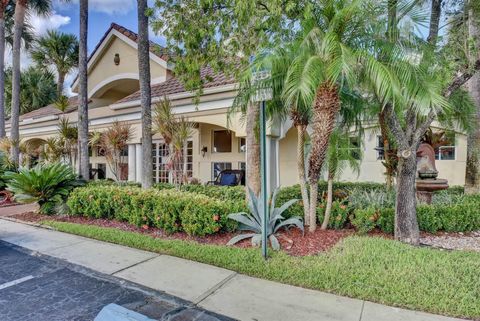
{"type": "Point", "coordinates": [41, 24]}
{"type": "Point", "coordinates": [110, 7]}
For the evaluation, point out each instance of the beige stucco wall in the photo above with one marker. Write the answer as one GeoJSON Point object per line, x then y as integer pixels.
{"type": "Point", "coordinates": [104, 68]}
{"type": "Point", "coordinates": [371, 169]}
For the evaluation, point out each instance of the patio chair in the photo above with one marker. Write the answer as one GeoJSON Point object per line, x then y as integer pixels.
{"type": "Point", "coordinates": [229, 177]}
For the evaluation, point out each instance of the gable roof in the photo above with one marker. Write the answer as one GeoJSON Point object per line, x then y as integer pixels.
{"type": "Point", "coordinates": [155, 48]}
{"type": "Point", "coordinates": [174, 85]}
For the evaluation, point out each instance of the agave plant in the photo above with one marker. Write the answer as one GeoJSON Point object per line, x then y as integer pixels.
{"type": "Point", "coordinates": [253, 222]}
{"type": "Point", "coordinates": [46, 184]}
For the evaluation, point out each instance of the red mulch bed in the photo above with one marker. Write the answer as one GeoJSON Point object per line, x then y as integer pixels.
{"type": "Point", "coordinates": [292, 242]}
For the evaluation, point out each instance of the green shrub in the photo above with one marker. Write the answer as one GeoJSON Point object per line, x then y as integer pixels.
{"type": "Point", "coordinates": [227, 193]}
{"type": "Point", "coordinates": [364, 220]}
{"type": "Point", "coordinates": [338, 216]}
{"type": "Point", "coordinates": [48, 185]}
{"type": "Point", "coordinates": [386, 219]}
{"type": "Point", "coordinates": [170, 210]}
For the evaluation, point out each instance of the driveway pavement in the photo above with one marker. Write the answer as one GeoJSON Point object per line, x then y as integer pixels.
{"type": "Point", "coordinates": [40, 288]}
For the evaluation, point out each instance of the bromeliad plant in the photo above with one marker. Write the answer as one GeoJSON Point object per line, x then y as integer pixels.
{"type": "Point", "coordinates": [253, 222]}
{"type": "Point", "coordinates": [49, 185]}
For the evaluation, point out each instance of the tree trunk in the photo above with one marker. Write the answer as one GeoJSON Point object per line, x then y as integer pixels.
{"type": "Point", "coordinates": [386, 149]}
{"type": "Point", "coordinates": [253, 149]}
{"type": "Point", "coordinates": [472, 174]}
{"type": "Point", "coordinates": [83, 158]}
{"type": "Point", "coordinates": [434, 22]}
{"type": "Point", "coordinates": [19, 20]}
{"type": "Point", "coordinates": [325, 110]}
{"type": "Point", "coordinates": [145, 93]}
{"type": "Point", "coordinates": [406, 225]}
{"type": "Point", "coordinates": [60, 82]}
{"type": "Point", "coordinates": [328, 208]}
{"type": "Point", "coordinates": [2, 69]}
{"type": "Point", "coordinates": [301, 131]}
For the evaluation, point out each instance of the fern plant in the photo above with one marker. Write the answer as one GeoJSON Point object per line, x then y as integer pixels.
{"type": "Point", "coordinates": [47, 184]}
{"type": "Point", "coordinates": [253, 222]}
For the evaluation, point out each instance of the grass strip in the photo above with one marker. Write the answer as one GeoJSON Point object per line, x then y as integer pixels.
{"type": "Point", "coordinates": [369, 268]}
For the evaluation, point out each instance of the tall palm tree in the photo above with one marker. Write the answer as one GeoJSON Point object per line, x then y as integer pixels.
{"type": "Point", "coordinates": [57, 49]}
{"type": "Point", "coordinates": [6, 37]}
{"type": "Point", "coordinates": [83, 158]}
{"type": "Point", "coordinates": [145, 93]}
{"type": "Point", "coordinates": [21, 6]}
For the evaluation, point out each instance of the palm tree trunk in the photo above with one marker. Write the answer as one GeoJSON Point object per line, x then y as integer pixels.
{"type": "Point", "coordinates": [2, 68]}
{"type": "Point", "coordinates": [406, 225]}
{"type": "Point", "coordinates": [472, 174]}
{"type": "Point", "coordinates": [301, 131]}
{"type": "Point", "coordinates": [325, 110]}
{"type": "Point", "coordinates": [19, 20]}
{"type": "Point", "coordinates": [253, 149]}
{"type": "Point", "coordinates": [145, 93]}
{"type": "Point", "coordinates": [83, 158]}
{"type": "Point", "coordinates": [434, 21]}
{"type": "Point", "coordinates": [60, 82]}
{"type": "Point", "coordinates": [328, 208]}
{"type": "Point", "coordinates": [386, 149]}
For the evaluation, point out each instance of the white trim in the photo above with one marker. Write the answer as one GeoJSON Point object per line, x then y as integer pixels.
{"type": "Point", "coordinates": [108, 120]}
{"type": "Point", "coordinates": [38, 120]}
{"type": "Point", "coordinates": [38, 130]}
{"type": "Point", "coordinates": [136, 103]}
{"type": "Point", "coordinates": [106, 41]}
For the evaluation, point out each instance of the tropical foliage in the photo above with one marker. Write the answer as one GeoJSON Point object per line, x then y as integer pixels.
{"type": "Point", "coordinates": [49, 185]}
{"type": "Point", "coordinates": [37, 89]}
{"type": "Point", "coordinates": [254, 221]}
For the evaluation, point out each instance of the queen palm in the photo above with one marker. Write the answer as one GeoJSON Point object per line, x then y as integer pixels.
{"type": "Point", "coordinates": [6, 37]}
{"type": "Point", "coordinates": [21, 6]}
{"type": "Point", "coordinates": [83, 137]}
{"type": "Point", "coordinates": [145, 93]}
{"type": "Point", "coordinates": [59, 50]}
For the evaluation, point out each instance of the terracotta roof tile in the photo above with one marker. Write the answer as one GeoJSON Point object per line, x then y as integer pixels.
{"type": "Point", "coordinates": [174, 86]}
{"type": "Point", "coordinates": [51, 110]}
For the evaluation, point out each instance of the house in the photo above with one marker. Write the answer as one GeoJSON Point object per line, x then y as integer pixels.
{"type": "Point", "coordinates": [113, 91]}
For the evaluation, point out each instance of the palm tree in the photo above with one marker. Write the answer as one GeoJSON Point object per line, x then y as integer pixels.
{"type": "Point", "coordinates": [340, 154]}
{"type": "Point", "coordinates": [145, 93]}
{"type": "Point", "coordinates": [6, 37]}
{"type": "Point", "coordinates": [326, 61]}
{"type": "Point", "coordinates": [83, 157]}
{"type": "Point", "coordinates": [21, 6]}
{"type": "Point", "coordinates": [57, 49]}
{"type": "Point", "coordinates": [37, 88]}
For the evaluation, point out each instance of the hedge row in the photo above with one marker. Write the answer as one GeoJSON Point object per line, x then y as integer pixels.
{"type": "Point", "coordinates": [226, 193]}
{"type": "Point", "coordinates": [170, 210]}
{"type": "Point", "coordinates": [463, 216]}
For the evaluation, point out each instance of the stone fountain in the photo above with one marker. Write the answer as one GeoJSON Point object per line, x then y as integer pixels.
{"type": "Point", "coordinates": [427, 181]}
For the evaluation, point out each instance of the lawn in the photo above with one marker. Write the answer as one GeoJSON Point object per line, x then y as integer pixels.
{"type": "Point", "coordinates": [370, 268]}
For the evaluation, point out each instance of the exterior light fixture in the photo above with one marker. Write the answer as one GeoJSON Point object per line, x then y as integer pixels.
{"type": "Point", "coordinates": [204, 151]}
{"type": "Point", "coordinates": [116, 59]}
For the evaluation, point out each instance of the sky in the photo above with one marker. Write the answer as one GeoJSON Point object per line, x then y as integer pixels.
{"type": "Point", "coordinates": [65, 18]}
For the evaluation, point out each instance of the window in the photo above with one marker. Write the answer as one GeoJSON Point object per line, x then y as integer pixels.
{"type": "Point", "coordinates": [222, 141]}
{"type": "Point", "coordinates": [160, 155]}
{"type": "Point", "coordinates": [445, 147]}
{"type": "Point", "coordinates": [102, 171]}
{"type": "Point", "coordinates": [218, 167]}
{"type": "Point", "coordinates": [100, 152]}
{"type": "Point", "coordinates": [380, 148]}
{"type": "Point", "coordinates": [242, 166]}
{"type": "Point", "coordinates": [124, 151]}
{"type": "Point", "coordinates": [242, 145]}
{"type": "Point", "coordinates": [354, 147]}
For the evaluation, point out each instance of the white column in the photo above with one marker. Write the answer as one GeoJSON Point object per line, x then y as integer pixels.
{"type": "Point", "coordinates": [139, 161]}
{"type": "Point", "coordinates": [132, 161]}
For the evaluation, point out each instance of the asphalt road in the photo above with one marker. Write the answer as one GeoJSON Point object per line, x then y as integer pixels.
{"type": "Point", "coordinates": [37, 287]}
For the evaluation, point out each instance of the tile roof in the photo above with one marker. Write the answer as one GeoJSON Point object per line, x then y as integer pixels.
{"type": "Point", "coordinates": [51, 110]}
{"type": "Point", "coordinates": [174, 85]}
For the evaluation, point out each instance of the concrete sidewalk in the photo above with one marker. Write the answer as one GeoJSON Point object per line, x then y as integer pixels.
{"type": "Point", "coordinates": [215, 289]}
